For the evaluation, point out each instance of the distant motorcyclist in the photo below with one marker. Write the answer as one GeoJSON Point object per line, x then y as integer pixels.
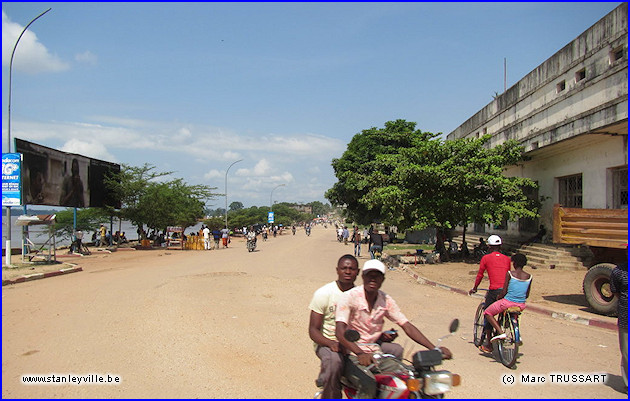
{"type": "Point", "coordinates": [251, 239]}
{"type": "Point", "coordinates": [251, 235]}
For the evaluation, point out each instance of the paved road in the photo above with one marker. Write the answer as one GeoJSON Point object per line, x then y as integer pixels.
{"type": "Point", "coordinates": [233, 324]}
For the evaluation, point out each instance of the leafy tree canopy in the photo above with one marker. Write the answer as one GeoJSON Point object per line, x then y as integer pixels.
{"type": "Point", "coordinates": [149, 199]}
{"type": "Point", "coordinates": [412, 179]}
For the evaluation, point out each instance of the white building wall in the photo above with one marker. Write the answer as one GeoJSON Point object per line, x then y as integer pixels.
{"type": "Point", "coordinates": [592, 161]}
{"type": "Point", "coordinates": [580, 127]}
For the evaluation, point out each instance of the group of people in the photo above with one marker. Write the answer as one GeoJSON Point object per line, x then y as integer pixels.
{"type": "Point", "coordinates": [209, 243]}
{"type": "Point", "coordinates": [339, 305]}
{"type": "Point", "coordinates": [370, 236]}
{"type": "Point", "coordinates": [103, 237]}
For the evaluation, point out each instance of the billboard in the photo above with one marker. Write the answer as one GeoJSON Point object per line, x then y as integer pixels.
{"type": "Point", "coordinates": [11, 179]}
{"type": "Point", "coordinates": [55, 178]}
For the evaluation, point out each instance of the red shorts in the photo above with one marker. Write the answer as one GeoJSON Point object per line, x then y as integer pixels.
{"type": "Point", "coordinates": [224, 241]}
{"type": "Point", "coordinates": [501, 305]}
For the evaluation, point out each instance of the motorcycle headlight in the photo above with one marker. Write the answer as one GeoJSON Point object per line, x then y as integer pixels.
{"type": "Point", "coordinates": [439, 382]}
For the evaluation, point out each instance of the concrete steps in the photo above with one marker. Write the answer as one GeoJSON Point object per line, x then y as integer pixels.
{"type": "Point", "coordinates": [540, 256]}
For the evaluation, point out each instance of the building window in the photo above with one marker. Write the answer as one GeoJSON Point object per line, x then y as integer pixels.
{"type": "Point", "coordinates": [570, 191]}
{"type": "Point", "coordinates": [525, 224]}
{"type": "Point", "coordinates": [616, 55]}
{"type": "Point", "coordinates": [485, 131]}
{"type": "Point", "coordinates": [620, 187]}
{"type": "Point", "coordinates": [561, 86]}
{"type": "Point", "coordinates": [580, 75]}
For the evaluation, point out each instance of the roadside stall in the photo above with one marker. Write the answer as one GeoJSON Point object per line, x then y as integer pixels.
{"type": "Point", "coordinates": [39, 227]}
{"type": "Point", "coordinates": [174, 238]}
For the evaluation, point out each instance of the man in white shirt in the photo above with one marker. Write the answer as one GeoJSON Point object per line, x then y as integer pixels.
{"type": "Point", "coordinates": [321, 328]}
{"type": "Point", "coordinates": [206, 237]}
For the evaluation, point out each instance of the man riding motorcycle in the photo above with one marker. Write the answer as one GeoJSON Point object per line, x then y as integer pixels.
{"type": "Point", "coordinates": [362, 309]}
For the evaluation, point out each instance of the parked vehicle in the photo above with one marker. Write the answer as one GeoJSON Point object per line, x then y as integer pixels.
{"type": "Point", "coordinates": [605, 232]}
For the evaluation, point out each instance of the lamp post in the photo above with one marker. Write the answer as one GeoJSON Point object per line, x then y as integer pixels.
{"type": "Point", "coordinates": [226, 199]}
{"type": "Point", "coordinates": [270, 203]}
{"type": "Point", "coordinates": [7, 227]}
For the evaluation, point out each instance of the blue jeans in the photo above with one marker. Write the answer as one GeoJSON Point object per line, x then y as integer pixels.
{"type": "Point", "coordinates": [375, 248]}
{"type": "Point", "coordinates": [357, 249]}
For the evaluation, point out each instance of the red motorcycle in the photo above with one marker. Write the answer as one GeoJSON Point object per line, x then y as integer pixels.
{"type": "Point", "coordinates": [413, 379]}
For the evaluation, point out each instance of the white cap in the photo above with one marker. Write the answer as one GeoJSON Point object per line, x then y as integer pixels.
{"type": "Point", "coordinates": [374, 264]}
{"type": "Point", "coordinates": [494, 240]}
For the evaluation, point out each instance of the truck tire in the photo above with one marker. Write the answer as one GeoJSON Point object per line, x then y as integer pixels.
{"type": "Point", "coordinates": [596, 288]}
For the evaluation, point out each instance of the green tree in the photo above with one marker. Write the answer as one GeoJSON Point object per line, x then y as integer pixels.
{"type": "Point", "coordinates": [363, 169]}
{"type": "Point", "coordinates": [88, 220]}
{"type": "Point", "coordinates": [214, 223]}
{"type": "Point", "coordinates": [320, 209]}
{"type": "Point", "coordinates": [149, 200]}
{"type": "Point", "coordinates": [412, 179]}
{"type": "Point", "coordinates": [234, 206]}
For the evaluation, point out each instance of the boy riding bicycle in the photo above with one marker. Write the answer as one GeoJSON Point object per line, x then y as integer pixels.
{"type": "Point", "coordinates": [515, 292]}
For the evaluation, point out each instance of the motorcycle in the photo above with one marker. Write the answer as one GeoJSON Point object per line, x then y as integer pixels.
{"type": "Point", "coordinates": [415, 379]}
{"type": "Point", "coordinates": [308, 231]}
{"type": "Point", "coordinates": [251, 244]}
{"type": "Point", "coordinates": [293, 229]}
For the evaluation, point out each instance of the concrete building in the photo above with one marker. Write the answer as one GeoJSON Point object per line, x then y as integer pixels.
{"type": "Point", "coordinates": [571, 115]}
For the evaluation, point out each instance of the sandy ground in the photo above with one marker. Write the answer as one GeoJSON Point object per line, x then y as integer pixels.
{"type": "Point", "coordinates": [233, 324]}
{"type": "Point", "coordinates": [556, 290]}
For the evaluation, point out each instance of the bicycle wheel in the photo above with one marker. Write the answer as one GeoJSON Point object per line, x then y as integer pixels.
{"type": "Point", "coordinates": [508, 348]}
{"type": "Point", "coordinates": [478, 325]}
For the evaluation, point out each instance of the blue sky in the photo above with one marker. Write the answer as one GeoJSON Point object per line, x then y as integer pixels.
{"type": "Point", "coordinates": [193, 87]}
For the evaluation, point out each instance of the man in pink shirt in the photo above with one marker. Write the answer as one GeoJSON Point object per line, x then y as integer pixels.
{"type": "Point", "coordinates": [497, 265]}
{"type": "Point", "coordinates": [363, 309]}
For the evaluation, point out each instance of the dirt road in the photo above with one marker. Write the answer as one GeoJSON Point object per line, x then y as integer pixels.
{"type": "Point", "coordinates": [233, 324]}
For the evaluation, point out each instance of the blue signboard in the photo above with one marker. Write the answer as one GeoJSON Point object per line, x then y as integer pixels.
{"type": "Point", "coordinates": [11, 188]}
{"type": "Point", "coordinates": [270, 218]}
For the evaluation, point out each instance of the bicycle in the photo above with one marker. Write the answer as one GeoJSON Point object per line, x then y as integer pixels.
{"type": "Point", "coordinates": [508, 320]}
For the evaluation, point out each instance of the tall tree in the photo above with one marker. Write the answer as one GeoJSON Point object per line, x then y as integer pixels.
{"type": "Point", "coordinates": [147, 199]}
{"type": "Point", "coordinates": [413, 179]}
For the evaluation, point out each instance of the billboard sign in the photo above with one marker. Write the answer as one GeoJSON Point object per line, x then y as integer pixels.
{"type": "Point", "coordinates": [11, 188]}
{"type": "Point", "coordinates": [55, 178]}
{"type": "Point", "coordinates": [270, 217]}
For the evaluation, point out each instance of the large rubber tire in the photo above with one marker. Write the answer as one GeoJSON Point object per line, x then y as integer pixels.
{"type": "Point", "coordinates": [596, 288]}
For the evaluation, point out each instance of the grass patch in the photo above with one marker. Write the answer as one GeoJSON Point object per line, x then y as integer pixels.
{"type": "Point", "coordinates": [403, 249]}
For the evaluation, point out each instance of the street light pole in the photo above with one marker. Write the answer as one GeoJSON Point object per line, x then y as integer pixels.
{"type": "Point", "coordinates": [270, 202]}
{"type": "Point", "coordinates": [226, 199]}
{"type": "Point", "coordinates": [7, 226]}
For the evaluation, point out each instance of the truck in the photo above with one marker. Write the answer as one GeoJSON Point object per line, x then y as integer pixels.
{"type": "Point", "coordinates": [605, 233]}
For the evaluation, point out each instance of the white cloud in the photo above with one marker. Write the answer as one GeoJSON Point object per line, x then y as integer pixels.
{"type": "Point", "coordinates": [31, 56]}
{"type": "Point", "coordinates": [91, 148]}
{"type": "Point", "coordinates": [262, 168]}
{"type": "Point", "coordinates": [214, 173]}
{"type": "Point", "coordinates": [199, 154]}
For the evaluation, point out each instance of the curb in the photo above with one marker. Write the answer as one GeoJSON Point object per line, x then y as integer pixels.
{"type": "Point", "coordinates": [37, 276]}
{"type": "Point", "coordinates": [556, 315]}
